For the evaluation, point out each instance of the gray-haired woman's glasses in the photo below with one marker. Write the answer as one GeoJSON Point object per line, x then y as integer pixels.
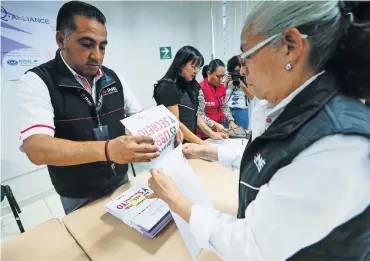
{"type": "Point", "coordinates": [244, 56]}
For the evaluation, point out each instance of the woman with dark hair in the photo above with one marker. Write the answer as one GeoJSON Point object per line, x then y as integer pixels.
{"type": "Point", "coordinates": [205, 71]}
{"type": "Point", "coordinates": [305, 177]}
{"type": "Point", "coordinates": [212, 106]}
{"type": "Point", "coordinates": [178, 91]}
{"type": "Point", "coordinates": [237, 93]}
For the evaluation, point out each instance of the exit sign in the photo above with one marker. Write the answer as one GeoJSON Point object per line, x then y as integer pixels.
{"type": "Point", "coordinates": [165, 53]}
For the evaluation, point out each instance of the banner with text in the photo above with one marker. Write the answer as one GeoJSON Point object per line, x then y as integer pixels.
{"type": "Point", "coordinates": [27, 40]}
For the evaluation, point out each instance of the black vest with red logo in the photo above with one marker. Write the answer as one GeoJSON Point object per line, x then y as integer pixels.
{"type": "Point", "coordinates": [320, 110]}
{"type": "Point", "coordinates": [75, 117]}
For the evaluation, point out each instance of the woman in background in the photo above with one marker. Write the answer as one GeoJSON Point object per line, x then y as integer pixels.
{"type": "Point", "coordinates": [237, 94]}
{"type": "Point", "coordinates": [178, 91]}
{"type": "Point", "coordinates": [212, 106]}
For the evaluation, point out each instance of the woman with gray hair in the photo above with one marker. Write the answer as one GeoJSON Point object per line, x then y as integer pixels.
{"type": "Point", "coordinates": [305, 177]}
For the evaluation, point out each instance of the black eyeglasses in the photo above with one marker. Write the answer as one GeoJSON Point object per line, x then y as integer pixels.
{"type": "Point", "coordinates": [196, 69]}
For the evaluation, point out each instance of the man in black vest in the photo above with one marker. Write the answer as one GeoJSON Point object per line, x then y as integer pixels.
{"type": "Point", "coordinates": [71, 109]}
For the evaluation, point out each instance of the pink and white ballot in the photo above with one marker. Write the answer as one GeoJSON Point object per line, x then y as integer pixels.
{"type": "Point", "coordinates": [158, 123]}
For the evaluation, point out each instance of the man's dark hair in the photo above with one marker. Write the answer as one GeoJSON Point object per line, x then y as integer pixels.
{"type": "Point", "coordinates": [232, 63]}
{"type": "Point", "coordinates": [67, 13]}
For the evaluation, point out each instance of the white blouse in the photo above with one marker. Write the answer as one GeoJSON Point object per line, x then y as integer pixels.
{"type": "Point", "coordinates": [325, 185]}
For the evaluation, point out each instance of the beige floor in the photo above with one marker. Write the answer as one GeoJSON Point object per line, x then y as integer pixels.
{"type": "Point", "coordinates": [40, 211]}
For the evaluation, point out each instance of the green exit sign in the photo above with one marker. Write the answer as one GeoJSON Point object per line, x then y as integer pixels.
{"type": "Point", "coordinates": [165, 53]}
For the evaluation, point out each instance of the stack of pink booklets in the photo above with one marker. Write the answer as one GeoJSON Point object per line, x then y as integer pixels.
{"type": "Point", "coordinates": [147, 216]}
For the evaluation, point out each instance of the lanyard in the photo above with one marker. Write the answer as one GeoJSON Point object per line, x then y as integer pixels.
{"type": "Point", "coordinates": [97, 107]}
{"type": "Point", "coordinates": [90, 102]}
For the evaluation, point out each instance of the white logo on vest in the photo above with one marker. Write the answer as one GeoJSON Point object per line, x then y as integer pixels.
{"type": "Point", "coordinates": [259, 161]}
{"type": "Point", "coordinates": [110, 90]}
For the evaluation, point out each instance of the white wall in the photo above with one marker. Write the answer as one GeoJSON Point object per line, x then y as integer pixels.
{"type": "Point", "coordinates": [140, 28]}
{"type": "Point", "coordinates": [136, 30]}
{"type": "Point", "coordinates": [25, 178]}
{"type": "Point", "coordinates": [218, 30]}
{"type": "Point", "coordinates": [236, 12]}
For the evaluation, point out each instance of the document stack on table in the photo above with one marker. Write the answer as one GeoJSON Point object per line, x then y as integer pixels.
{"type": "Point", "coordinates": [148, 216]}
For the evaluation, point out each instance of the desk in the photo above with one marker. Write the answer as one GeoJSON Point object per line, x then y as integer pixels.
{"type": "Point", "coordinates": [49, 241]}
{"type": "Point", "coordinates": [206, 255]}
{"type": "Point", "coordinates": [105, 238]}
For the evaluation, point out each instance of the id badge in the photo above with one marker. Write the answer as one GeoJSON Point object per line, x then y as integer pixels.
{"type": "Point", "coordinates": [101, 133]}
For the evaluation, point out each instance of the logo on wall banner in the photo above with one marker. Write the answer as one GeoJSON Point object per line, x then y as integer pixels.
{"type": "Point", "coordinates": [28, 62]}
{"type": "Point", "coordinates": [6, 16]}
{"type": "Point", "coordinates": [12, 62]}
{"type": "Point", "coordinates": [23, 38]}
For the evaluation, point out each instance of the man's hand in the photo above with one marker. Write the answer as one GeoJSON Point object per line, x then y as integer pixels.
{"type": "Point", "coordinates": [179, 138]}
{"type": "Point", "coordinates": [220, 128]}
{"type": "Point", "coordinates": [128, 149]}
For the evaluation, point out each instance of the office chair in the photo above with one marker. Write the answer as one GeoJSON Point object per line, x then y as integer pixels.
{"type": "Point", "coordinates": [6, 191]}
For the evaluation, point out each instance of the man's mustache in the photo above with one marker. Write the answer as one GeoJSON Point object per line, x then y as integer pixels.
{"type": "Point", "coordinates": [93, 62]}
